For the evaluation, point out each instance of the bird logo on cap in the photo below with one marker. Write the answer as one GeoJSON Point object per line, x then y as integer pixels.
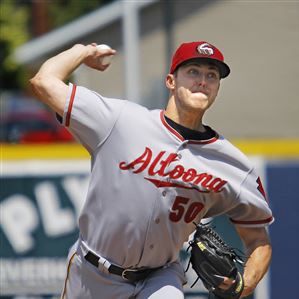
{"type": "Point", "coordinates": [205, 49]}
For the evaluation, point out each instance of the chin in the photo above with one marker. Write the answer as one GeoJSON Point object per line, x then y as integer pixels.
{"type": "Point", "coordinates": [199, 106]}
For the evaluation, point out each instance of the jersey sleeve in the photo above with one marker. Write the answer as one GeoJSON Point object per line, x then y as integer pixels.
{"type": "Point", "coordinates": [89, 116]}
{"type": "Point", "coordinates": [252, 208]}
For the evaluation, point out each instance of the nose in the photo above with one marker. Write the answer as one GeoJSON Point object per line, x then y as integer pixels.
{"type": "Point", "coordinates": [202, 81]}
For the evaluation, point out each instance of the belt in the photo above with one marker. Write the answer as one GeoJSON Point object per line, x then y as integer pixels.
{"type": "Point", "coordinates": [133, 275]}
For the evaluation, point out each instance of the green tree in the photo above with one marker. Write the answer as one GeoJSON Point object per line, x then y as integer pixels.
{"type": "Point", "coordinates": [15, 30]}
{"type": "Point", "coordinates": [13, 33]}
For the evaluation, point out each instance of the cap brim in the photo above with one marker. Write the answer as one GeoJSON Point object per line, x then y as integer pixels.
{"type": "Point", "coordinates": [223, 67]}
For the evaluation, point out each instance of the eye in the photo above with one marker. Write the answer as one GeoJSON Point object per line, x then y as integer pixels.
{"type": "Point", "coordinates": [212, 75]}
{"type": "Point", "coordinates": [193, 71]}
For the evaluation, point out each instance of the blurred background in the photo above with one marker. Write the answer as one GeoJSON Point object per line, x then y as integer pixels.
{"type": "Point", "coordinates": [44, 172]}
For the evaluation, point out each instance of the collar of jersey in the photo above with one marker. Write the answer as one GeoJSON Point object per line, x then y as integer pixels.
{"type": "Point", "coordinates": [180, 137]}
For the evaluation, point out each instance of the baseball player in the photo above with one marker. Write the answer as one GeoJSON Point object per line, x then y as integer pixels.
{"type": "Point", "coordinates": [153, 173]}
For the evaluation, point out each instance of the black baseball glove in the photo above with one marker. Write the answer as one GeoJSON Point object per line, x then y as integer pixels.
{"type": "Point", "coordinates": [212, 260]}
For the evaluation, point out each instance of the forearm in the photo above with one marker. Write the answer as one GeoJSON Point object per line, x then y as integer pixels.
{"type": "Point", "coordinates": [48, 84]}
{"type": "Point", "coordinates": [258, 250]}
{"type": "Point", "coordinates": [64, 64]}
{"type": "Point", "coordinates": [256, 267]}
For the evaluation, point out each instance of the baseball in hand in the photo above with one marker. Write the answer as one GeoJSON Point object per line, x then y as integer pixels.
{"type": "Point", "coordinates": [105, 60]}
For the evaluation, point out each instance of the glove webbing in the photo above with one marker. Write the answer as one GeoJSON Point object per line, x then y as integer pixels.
{"type": "Point", "coordinates": [239, 257]}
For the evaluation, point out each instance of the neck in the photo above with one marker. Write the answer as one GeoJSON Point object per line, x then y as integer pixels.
{"type": "Point", "coordinates": [188, 118]}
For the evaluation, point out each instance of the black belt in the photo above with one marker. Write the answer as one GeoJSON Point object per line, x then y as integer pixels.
{"type": "Point", "coordinates": [132, 275]}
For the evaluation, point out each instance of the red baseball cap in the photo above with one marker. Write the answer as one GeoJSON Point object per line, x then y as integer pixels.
{"type": "Point", "coordinates": [199, 50]}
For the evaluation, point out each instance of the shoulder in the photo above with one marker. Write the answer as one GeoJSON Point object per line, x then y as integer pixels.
{"type": "Point", "coordinates": [137, 111]}
{"type": "Point", "coordinates": [130, 107]}
{"type": "Point", "coordinates": [231, 154]}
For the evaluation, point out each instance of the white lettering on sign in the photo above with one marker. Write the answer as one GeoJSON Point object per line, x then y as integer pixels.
{"type": "Point", "coordinates": [18, 220]}
{"type": "Point", "coordinates": [56, 220]}
{"type": "Point", "coordinates": [31, 275]}
{"type": "Point", "coordinates": [20, 217]}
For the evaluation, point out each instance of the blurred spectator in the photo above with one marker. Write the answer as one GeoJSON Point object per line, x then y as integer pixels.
{"type": "Point", "coordinates": [24, 120]}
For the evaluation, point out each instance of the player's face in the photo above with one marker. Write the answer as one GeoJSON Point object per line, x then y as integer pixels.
{"type": "Point", "coordinates": [195, 86]}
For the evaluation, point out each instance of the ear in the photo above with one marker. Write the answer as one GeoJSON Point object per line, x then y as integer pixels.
{"type": "Point", "coordinates": [170, 81]}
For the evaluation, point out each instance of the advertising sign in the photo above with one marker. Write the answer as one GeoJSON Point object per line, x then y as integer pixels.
{"type": "Point", "coordinates": [39, 212]}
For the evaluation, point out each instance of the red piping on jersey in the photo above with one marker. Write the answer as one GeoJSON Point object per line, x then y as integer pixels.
{"type": "Point", "coordinates": [69, 110]}
{"type": "Point", "coordinates": [169, 128]}
{"type": "Point", "coordinates": [179, 136]}
{"type": "Point", "coordinates": [252, 222]}
{"type": "Point", "coordinates": [161, 184]}
{"type": "Point", "coordinates": [205, 141]}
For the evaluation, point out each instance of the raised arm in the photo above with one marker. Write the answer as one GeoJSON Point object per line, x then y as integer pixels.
{"type": "Point", "coordinates": [48, 84]}
{"type": "Point", "coordinates": [259, 251]}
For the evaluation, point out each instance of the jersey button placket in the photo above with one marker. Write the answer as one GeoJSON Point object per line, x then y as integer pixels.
{"type": "Point", "coordinates": [184, 144]}
{"type": "Point", "coordinates": [181, 147]}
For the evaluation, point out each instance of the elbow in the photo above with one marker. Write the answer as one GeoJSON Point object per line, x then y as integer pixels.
{"type": "Point", "coordinates": [39, 85]}
{"type": "Point", "coordinates": [36, 81]}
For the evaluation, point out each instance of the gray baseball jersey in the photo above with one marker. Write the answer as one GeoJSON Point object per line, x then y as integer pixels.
{"type": "Point", "coordinates": [148, 184]}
